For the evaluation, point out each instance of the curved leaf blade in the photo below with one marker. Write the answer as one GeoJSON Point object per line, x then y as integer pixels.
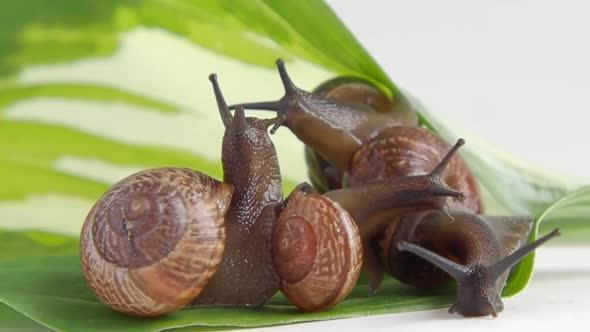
{"type": "Point", "coordinates": [52, 35]}
{"type": "Point", "coordinates": [34, 286]}
{"type": "Point", "coordinates": [571, 214]}
{"type": "Point", "coordinates": [31, 159]}
{"type": "Point", "coordinates": [10, 94]}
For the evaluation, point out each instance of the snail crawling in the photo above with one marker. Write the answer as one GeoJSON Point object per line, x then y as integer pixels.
{"type": "Point", "coordinates": [355, 136]}
{"type": "Point", "coordinates": [166, 238]}
{"type": "Point", "coordinates": [169, 237]}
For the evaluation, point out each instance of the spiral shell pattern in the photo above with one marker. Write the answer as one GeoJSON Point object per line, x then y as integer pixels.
{"type": "Point", "coordinates": [151, 242]}
{"type": "Point", "coordinates": [317, 253]}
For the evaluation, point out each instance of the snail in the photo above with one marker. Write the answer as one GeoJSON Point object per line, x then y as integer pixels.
{"type": "Point", "coordinates": [317, 248]}
{"type": "Point", "coordinates": [334, 130]}
{"type": "Point", "coordinates": [160, 238]}
{"type": "Point", "coordinates": [477, 251]}
{"type": "Point", "coordinates": [353, 137]}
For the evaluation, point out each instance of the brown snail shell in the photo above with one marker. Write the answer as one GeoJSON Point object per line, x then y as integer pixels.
{"type": "Point", "coordinates": [317, 252]}
{"type": "Point", "coordinates": [151, 243]}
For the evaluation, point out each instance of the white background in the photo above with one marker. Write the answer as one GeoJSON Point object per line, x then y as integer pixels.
{"type": "Point", "coordinates": [515, 73]}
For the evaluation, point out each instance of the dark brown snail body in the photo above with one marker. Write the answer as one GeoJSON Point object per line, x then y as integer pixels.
{"type": "Point", "coordinates": [246, 276]}
{"type": "Point", "coordinates": [477, 251]}
{"type": "Point", "coordinates": [334, 130]}
{"type": "Point", "coordinates": [161, 237]}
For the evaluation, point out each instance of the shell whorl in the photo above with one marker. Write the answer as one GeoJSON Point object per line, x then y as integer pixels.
{"type": "Point", "coordinates": [317, 252]}
{"type": "Point", "coordinates": [150, 244]}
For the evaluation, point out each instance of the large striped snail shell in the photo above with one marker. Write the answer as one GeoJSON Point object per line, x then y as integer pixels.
{"type": "Point", "coordinates": [150, 244]}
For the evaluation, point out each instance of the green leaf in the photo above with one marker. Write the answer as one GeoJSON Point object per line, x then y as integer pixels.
{"type": "Point", "coordinates": [29, 152]}
{"type": "Point", "coordinates": [12, 93]}
{"type": "Point", "coordinates": [37, 156]}
{"type": "Point", "coordinates": [38, 31]}
{"type": "Point", "coordinates": [22, 245]}
{"type": "Point", "coordinates": [570, 214]}
{"type": "Point", "coordinates": [36, 287]}
{"type": "Point", "coordinates": [12, 320]}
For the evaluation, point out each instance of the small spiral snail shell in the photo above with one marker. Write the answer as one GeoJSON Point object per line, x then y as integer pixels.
{"type": "Point", "coordinates": [317, 252]}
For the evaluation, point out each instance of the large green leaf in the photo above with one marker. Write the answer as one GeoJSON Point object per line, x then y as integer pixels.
{"type": "Point", "coordinates": [22, 245]}
{"type": "Point", "coordinates": [45, 150]}
{"type": "Point", "coordinates": [12, 93]}
{"type": "Point", "coordinates": [12, 320]}
{"type": "Point", "coordinates": [35, 286]}
{"type": "Point", "coordinates": [31, 159]}
{"type": "Point", "coordinates": [571, 214]}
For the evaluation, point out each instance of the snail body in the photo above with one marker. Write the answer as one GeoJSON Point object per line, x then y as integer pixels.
{"type": "Point", "coordinates": [477, 251]}
{"type": "Point", "coordinates": [348, 125]}
{"type": "Point", "coordinates": [246, 276]}
{"type": "Point", "coordinates": [334, 130]}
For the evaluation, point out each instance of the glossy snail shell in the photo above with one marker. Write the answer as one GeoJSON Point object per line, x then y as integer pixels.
{"type": "Point", "coordinates": [405, 151]}
{"type": "Point", "coordinates": [150, 244]}
{"type": "Point", "coordinates": [317, 252]}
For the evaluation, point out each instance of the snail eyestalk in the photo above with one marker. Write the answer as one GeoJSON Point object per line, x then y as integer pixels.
{"type": "Point", "coordinates": [440, 168]}
{"type": "Point", "coordinates": [226, 116]}
{"type": "Point", "coordinates": [509, 261]}
{"type": "Point", "coordinates": [436, 176]}
{"type": "Point", "coordinates": [457, 271]}
{"type": "Point", "coordinates": [276, 106]}
{"type": "Point", "coordinates": [290, 88]}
